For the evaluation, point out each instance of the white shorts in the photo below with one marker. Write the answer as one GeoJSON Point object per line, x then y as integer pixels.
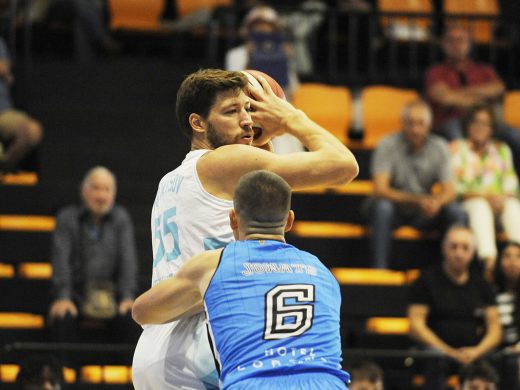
{"type": "Point", "coordinates": [175, 356]}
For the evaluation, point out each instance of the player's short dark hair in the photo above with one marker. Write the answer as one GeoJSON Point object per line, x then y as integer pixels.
{"type": "Point", "coordinates": [263, 197]}
{"type": "Point", "coordinates": [199, 90]}
{"type": "Point", "coordinates": [479, 369]}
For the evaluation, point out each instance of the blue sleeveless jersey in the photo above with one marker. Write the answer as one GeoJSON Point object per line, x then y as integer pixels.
{"type": "Point", "coordinates": [273, 310]}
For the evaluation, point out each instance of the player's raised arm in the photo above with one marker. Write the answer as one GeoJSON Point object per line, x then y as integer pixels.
{"type": "Point", "coordinates": [327, 162]}
{"type": "Point", "coordinates": [179, 296]}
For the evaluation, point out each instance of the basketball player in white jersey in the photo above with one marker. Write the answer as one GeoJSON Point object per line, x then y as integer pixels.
{"type": "Point", "coordinates": [190, 212]}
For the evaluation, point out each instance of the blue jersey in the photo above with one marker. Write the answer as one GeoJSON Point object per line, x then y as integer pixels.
{"type": "Point", "coordinates": [273, 310]}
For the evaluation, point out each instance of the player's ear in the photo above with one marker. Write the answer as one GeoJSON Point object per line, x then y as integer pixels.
{"type": "Point", "coordinates": [233, 221]}
{"type": "Point", "coordinates": [290, 221]}
{"type": "Point", "coordinates": [197, 123]}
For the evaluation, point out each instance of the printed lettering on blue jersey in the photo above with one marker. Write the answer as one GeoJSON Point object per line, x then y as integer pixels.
{"type": "Point", "coordinates": [168, 238]}
{"type": "Point", "coordinates": [283, 319]}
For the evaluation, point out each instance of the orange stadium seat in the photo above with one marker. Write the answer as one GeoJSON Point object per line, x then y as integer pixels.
{"type": "Point", "coordinates": [329, 106]}
{"type": "Point", "coordinates": [388, 325]}
{"type": "Point", "coordinates": [382, 106]}
{"type": "Point", "coordinates": [27, 223]}
{"type": "Point", "coordinates": [21, 321]}
{"type": "Point", "coordinates": [136, 14]}
{"type": "Point", "coordinates": [185, 7]}
{"type": "Point", "coordinates": [405, 28]}
{"type": "Point", "coordinates": [481, 30]}
{"type": "Point", "coordinates": [512, 108]}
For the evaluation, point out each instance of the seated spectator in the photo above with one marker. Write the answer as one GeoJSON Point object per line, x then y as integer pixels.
{"type": "Point", "coordinates": [94, 262]}
{"type": "Point", "coordinates": [486, 182]}
{"type": "Point", "coordinates": [452, 309]}
{"type": "Point", "coordinates": [459, 83]}
{"type": "Point", "coordinates": [19, 133]}
{"type": "Point", "coordinates": [90, 19]}
{"type": "Point", "coordinates": [405, 168]}
{"type": "Point", "coordinates": [479, 375]}
{"type": "Point", "coordinates": [507, 281]}
{"type": "Point", "coordinates": [40, 372]}
{"type": "Point", "coordinates": [365, 375]}
{"type": "Point", "coordinates": [266, 49]}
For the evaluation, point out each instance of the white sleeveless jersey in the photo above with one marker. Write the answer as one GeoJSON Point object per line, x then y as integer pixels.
{"type": "Point", "coordinates": [186, 220]}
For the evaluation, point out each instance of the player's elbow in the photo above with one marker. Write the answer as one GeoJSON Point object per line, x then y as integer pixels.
{"type": "Point", "coordinates": [138, 312]}
{"type": "Point", "coordinates": [347, 169]}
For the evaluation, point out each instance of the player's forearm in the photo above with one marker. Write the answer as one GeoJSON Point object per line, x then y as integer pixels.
{"type": "Point", "coordinates": [318, 140]}
{"type": "Point", "coordinates": [168, 301]}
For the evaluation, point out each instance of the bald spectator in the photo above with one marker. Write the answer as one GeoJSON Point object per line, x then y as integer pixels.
{"type": "Point", "coordinates": [19, 133]}
{"type": "Point", "coordinates": [405, 168]}
{"type": "Point", "coordinates": [94, 262]}
{"type": "Point", "coordinates": [460, 83]}
{"type": "Point", "coordinates": [452, 309]}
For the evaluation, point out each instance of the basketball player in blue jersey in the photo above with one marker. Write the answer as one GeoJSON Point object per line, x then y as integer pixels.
{"type": "Point", "coordinates": [272, 310]}
{"type": "Point", "coordinates": [190, 212]}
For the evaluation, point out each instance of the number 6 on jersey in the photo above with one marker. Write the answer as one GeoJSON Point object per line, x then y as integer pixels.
{"type": "Point", "coordinates": [286, 320]}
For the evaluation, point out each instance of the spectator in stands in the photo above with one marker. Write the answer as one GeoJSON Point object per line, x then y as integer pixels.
{"type": "Point", "coordinates": [486, 182]}
{"type": "Point", "coordinates": [479, 375]}
{"type": "Point", "coordinates": [266, 49]}
{"type": "Point", "coordinates": [94, 262]}
{"type": "Point", "coordinates": [40, 372]}
{"type": "Point", "coordinates": [88, 14]}
{"type": "Point", "coordinates": [365, 375]}
{"type": "Point", "coordinates": [19, 133]}
{"type": "Point", "coordinates": [452, 309]}
{"type": "Point", "coordinates": [405, 168]}
{"type": "Point", "coordinates": [507, 281]}
{"type": "Point", "coordinates": [459, 83]}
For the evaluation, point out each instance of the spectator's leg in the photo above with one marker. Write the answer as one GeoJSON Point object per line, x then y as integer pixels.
{"type": "Point", "coordinates": [453, 214]}
{"type": "Point", "coordinates": [64, 330]}
{"type": "Point", "coordinates": [511, 137]}
{"type": "Point", "coordinates": [23, 133]}
{"type": "Point", "coordinates": [482, 223]}
{"type": "Point", "coordinates": [382, 220]}
{"type": "Point", "coordinates": [510, 219]}
{"type": "Point", "coordinates": [90, 17]}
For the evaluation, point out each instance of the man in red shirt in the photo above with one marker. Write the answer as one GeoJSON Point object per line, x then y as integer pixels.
{"type": "Point", "coordinates": [459, 83]}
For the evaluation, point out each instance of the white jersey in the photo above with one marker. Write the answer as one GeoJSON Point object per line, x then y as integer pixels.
{"type": "Point", "coordinates": [186, 220]}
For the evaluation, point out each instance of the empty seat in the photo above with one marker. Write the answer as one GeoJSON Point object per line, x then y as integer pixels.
{"type": "Point", "coordinates": [21, 321]}
{"type": "Point", "coordinates": [382, 107]}
{"type": "Point", "coordinates": [185, 7]}
{"type": "Point", "coordinates": [136, 14]}
{"type": "Point", "coordinates": [388, 325]}
{"type": "Point", "coordinates": [329, 106]}
{"type": "Point", "coordinates": [32, 223]}
{"type": "Point", "coordinates": [318, 229]}
{"type": "Point", "coordinates": [512, 108]}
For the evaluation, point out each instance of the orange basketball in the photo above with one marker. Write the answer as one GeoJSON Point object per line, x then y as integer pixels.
{"type": "Point", "coordinates": [278, 91]}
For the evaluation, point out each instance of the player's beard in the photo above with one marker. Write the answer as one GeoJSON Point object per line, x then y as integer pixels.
{"type": "Point", "coordinates": [217, 140]}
